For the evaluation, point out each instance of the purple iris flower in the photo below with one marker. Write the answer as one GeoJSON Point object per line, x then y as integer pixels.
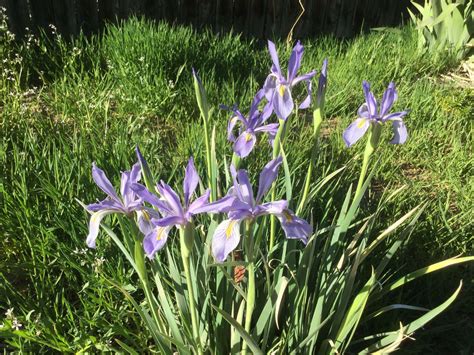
{"type": "Point", "coordinates": [244, 143]}
{"type": "Point", "coordinates": [278, 88]}
{"type": "Point", "coordinates": [129, 202]}
{"type": "Point", "coordinates": [368, 113]}
{"type": "Point", "coordinates": [243, 206]}
{"type": "Point", "coordinates": [173, 212]}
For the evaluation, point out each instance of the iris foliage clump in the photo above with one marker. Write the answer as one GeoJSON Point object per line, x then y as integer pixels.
{"type": "Point", "coordinates": [65, 105]}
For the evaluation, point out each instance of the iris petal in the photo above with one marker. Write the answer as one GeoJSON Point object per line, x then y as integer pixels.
{"type": "Point", "coordinates": [155, 240]}
{"type": "Point", "coordinates": [191, 180]}
{"type": "Point", "coordinates": [282, 101]}
{"type": "Point", "coordinates": [94, 225]}
{"type": "Point", "coordinates": [244, 144]}
{"type": "Point", "coordinates": [355, 131]}
{"type": "Point", "coordinates": [226, 238]}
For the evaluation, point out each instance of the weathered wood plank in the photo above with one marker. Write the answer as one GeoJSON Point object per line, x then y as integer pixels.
{"type": "Point", "coordinates": [18, 16]}
{"type": "Point", "coordinates": [88, 16]}
{"type": "Point", "coordinates": [260, 18]}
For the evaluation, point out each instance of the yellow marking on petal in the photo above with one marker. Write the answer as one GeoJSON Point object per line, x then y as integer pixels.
{"type": "Point", "coordinates": [248, 137]}
{"type": "Point", "coordinates": [288, 216]}
{"type": "Point", "coordinates": [282, 90]}
{"type": "Point", "coordinates": [159, 233]}
{"type": "Point", "coordinates": [361, 123]}
{"type": "Point", "coordinates": [234, 119]}
{"type": "Point", "coordinates": [228, 230]}
{"type": "Point", "coordinates": [146, 216]}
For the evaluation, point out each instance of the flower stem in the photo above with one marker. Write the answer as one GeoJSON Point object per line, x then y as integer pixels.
{"type": "Point", "coordinates": [372, 143]}
{"type": "Point", "coordinates": [250, 282]}
{"type": "Point", "coordinates": [235, 161]}
{"type": "Point", "coordinates": [279, 138]}
{"type": "Point", "coordinates": [186, 243]}
{"type": "Point", "coordinates": [317, 120]}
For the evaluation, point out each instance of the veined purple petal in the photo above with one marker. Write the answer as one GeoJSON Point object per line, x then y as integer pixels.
{"type": "Point", "coordinates": [396, 116]}
{"type": "Point", "coordinates": [199, 203]}
{"type": "Point", "coordinates": [400, 133]}
{"type": "Point", "coordinates": [236, 188]}
{"type": "Point", "coordinates": [363, 111]}
{"type": "Point", "coordinates": [169, 221]}
{"type": "Point", "coordinates": [256, 101]}
{"type": "Point", "coordinates": [226, 238]}
{"type": "Point", "coordinates": [144, 221]}
{"type": "Point", "coordinates": [267, 176]}
{"type": "Point", "coordinates": [155, 240]}
{"type": "Point", "coordinates": [304, 77]}
{"type": "Point", "coordinates": [269, 86]}
{"type": "Point", "coordinates": [107, 204]}
{"type": "Point", "coordinates": [245, 187]}
{"type": "Point", "coordinates": [274, 56]}
{"type": "Point", "coordinates": [275, 208]}
{"type": "Point", "coordinates": [241, 214]}
{"type": "Point", "coordinates": [94, 225]}
{"type": "Point", "coordinates": [152, 199]}
{"type": "Point", "coordinates": [295, 227]}
{"type": "Point", "coordinates": [369, 99]}
{"type": "Point", "coordinates": [191, 180]}
{"type": "Point", "coordinates": [355, 131]}
{"type": "Point", "coordinates": [103, 182]}
{"type": "Point", "coordinates": [389, 97]}
{"type": "Point", "coordinates": [282, 101]}
{"type": "Point", "coordinates": [128, 178]}
{"type": "Point", "coordinates": [269, 128]}
{"type": "Point", "coordinates": [295, 61]}
{"type": "Point", "coordinates": [171, 198]}
{"type": "Point", "coordinates": [230, 128]}
{"type": "Point", "coordinates": [244, 144]}
{"type": "Point", "coordinates": [225, 204]}
{"type": "Point", "coordinates": [266, 112]}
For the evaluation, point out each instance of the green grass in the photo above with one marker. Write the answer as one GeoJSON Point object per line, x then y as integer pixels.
{"type": "Point", "coordinates": [64, 105]}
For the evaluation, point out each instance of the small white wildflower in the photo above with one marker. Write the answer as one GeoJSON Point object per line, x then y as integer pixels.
{"type": "Point", "coordinates": [16, 325]}
{"type": "Point", "coordinates": [171, 84]}
{"type": "Point", "coordinates": [38, 333]}
{"type": "Point", "coordinates": [141, 59]}
{"type": "Point", "coordinates": [9, 313]}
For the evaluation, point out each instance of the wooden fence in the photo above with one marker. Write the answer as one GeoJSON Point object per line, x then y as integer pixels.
{"type": "Point", "coordinates": [259, 18]}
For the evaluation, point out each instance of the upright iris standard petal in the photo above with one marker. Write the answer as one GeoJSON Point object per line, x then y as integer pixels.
{"type": "Point", "coordinates": [369, 99]}
{"type": "Point", "coordinates": [274, 55]}
{"type": "Point", "coordinates": [103, 182]}
{"type": "Point", "coordinates": [267, 177]}
{"type": "Point", "coordinates": [389, 97]}
{"type": "Point", "coordinates": [355, 131]}
{"type": "Point", "coordinates": [295, 61]}
{"type": "Point", "coordinates": [191, 180]}
{"type": "Point", "coordinates": [226, 239]}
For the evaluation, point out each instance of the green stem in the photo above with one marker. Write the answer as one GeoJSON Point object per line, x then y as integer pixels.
{"type": "Point", "coordinates": [317, 120]}
{"type": "Point", "coordinates": [250, 282]}
{"type": "Point", "coordinates": [186, 243]}
{"type": "Point", "coordinates": [235, 161]}
{"type": "Point", "coordinates": [279, 138]}
{"type": "Point", "coordinates": [372, 143]}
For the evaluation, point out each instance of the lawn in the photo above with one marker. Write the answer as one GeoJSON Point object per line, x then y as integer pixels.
{"type": "Point", "coordinates": [65, 104]}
